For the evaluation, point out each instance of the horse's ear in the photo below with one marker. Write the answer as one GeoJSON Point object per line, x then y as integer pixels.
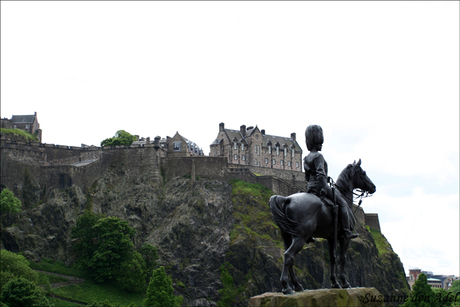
{"type": "Point", "coordinates": [359, 162]}
{"type": "Point", "coordinates": [354, 162]}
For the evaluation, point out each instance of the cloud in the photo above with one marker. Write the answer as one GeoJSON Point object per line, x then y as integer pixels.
{"type": "Point", "coordinates": [422, 228]}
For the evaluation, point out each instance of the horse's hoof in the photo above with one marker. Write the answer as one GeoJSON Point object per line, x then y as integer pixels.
{"type": "Point", "coordinates": [288, 291]}
{"type": "Point", "coordinates": [299, 288]}
{"type": "Point", "coordinates": [336, 286]}
{"type": "Point", "coordinates": [346, 286]}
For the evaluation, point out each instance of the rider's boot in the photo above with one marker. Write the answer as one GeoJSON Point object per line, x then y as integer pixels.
{"type": "Point", "coordinates": [346, 227]}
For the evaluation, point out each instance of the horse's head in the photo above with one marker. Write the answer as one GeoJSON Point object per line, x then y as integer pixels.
{"type": "Point", "coordinates": [361, 180]}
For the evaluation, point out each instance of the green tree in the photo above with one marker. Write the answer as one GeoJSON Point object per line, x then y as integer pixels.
{"type": "Point", "coordinates": [114, 246]}
{"type": "Point", "coordinates": [455, 288]}
{"type": "Point", "coordinates": [121, 138]}
{"type": "Point", "coordinates": [422, 294]}
{"type": "Point", "coordinates": [150, 255]}
{"type": "Point", "coordinates": [85, 245]}
{"type": "Point", "coordinates": [103, 245]}
{"type": "Point", "coordinates": [13, 266]}
{"type": "Point", "coordinates": [133, 274]}
{"type": "Point", "coordinates": [160, 291]}
{"type": "Point", "coordinates": [9, 203]}
{"type": "Point", "coordinates": [22, 292]}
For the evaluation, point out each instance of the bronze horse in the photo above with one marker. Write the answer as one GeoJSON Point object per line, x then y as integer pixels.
{"type": "Point", "coordinates": [302, 216]}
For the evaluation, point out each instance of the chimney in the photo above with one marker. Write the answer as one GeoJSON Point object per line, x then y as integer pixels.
{"type": "Point", "coordinates": [293, 135]}
{"type": "Point", "coordinates": [147, 141]}
{"type": "Point", "coordinates": [262, 131]}
{"type": "Point", "coordinates": [221, 127]}
{"type": "Point", "coordinates": [243, 130]}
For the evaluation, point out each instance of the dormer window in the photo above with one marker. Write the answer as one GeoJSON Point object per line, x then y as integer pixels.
{"type": "Point", "coordinates": [293, 152]}
{"type": "Point", "coordinates": [277, 150]}
{"type": "Point", "coordinates": [285, 151]}
{"type": "Point", "coordinates": [242, 146]}
{"type": "Point", "coordinates": [234, 145]}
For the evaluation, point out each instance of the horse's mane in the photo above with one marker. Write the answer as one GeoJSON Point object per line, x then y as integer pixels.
{"type": "Point", "coordinates": [344, 179]}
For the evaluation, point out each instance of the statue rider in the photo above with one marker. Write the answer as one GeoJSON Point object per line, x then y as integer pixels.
{"type": "Point", "coordinates": [316, 175]}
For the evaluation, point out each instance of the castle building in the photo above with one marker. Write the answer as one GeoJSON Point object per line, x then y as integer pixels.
{"type": "Point", "coordinates": [251, 146]}
{"type": "Point", "coordinates": [27, 123]}
{"type": "Point", "coordinates": [179, 146]}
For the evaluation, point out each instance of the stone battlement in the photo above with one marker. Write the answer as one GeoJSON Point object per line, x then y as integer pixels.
{"type": "Point", "coordinates": [58, 166]}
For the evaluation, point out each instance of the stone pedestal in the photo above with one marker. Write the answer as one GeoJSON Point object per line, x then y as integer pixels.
{"type": "Point", "coordinates": [356, 297]}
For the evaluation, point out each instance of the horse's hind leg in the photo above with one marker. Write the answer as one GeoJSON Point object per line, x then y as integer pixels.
{"type": "Point", "coordinates": [289, 254]}
{"type": "Point", "coordinates": [343, 261]}
{"type": "Point", "coordinates": [332, 248]}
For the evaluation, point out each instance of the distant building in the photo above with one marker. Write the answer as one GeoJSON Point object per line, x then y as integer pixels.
{"type": "Point", "coordinates": [435, 281]}
{"type": "Point", "coordinates": [180, 146]}
{"type": "Point", "coordinates": [251, 146]}
{"type": "Point", "coordinates": [27, 123]}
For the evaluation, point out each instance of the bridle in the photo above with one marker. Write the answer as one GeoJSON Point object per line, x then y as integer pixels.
{"type": "Point", "coordinates": [359, 193]}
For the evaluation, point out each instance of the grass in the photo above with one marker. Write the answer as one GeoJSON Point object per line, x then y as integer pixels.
{"type": "Point", "coordinates": [89, 291]}
{"type": "Point", "coordinates": [18, 132]}
{"type": "Point", "coordinates": [52, 278]}
{"type": "Point", "coordinates": [57, 267]}
{"type": "Point", "coordinates": [380, 241]}
{"type": "Point", "coordinates": [60, 303]}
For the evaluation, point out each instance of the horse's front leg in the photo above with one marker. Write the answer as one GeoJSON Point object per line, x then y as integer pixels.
{"type": "Point", "coordinates": [332, 247]}
{"type": "Point", "coordinates": [344, 243]}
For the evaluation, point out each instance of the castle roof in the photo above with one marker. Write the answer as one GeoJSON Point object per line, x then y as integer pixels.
{"type": "Point", "coordinates": [266, 138]}
{"type": "Point", "coordinates": [23, 119]}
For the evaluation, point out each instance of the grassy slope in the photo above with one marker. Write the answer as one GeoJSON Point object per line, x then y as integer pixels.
{"type": "Point", "coordinates": [19, 133]}
{"type": "Point", "coordinates": [89, 290]}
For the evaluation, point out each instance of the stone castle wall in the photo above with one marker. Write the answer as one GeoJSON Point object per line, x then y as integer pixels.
{"type": "Point", "coordinates": [49, 166]}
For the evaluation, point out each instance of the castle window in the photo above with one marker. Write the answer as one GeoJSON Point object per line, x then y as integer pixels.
{"type": "Point", "coordinates": [236, 157]}
{"type": "Point", "coordinates": [285, 151]}
{"type": "Point", "coordinates": [293, 152]}
{"type": "Point", "coordinates": [297, 164]}
{"type": "Point", "coordinates": [234, 145]}
{"type": "Point", "coordinates": [266, 160]}
{"type": "Point", "coordinates": [255, 162]}
{"type": "Point", "coordinates": [270, 149]}
{"type": "Point", "coordinates": [274, 162]}
{"type": "Point", "coordinates": [242, 146]}
{"type": "Point", "coordinates": [289, 163]}
{"type": "Point", "coordinates": [282, 162]}
{"type": "Point", "coordinates": [27, 126]}
{"type": "Point", "coordinates": [277, 151]}
{"type": "Point", "coordinates": [176, 146]}
{"type": "Point", "coordinates": [243, 158]}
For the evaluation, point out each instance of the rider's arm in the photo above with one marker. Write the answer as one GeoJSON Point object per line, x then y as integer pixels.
{"type": "Point", "coordinates": [321, 175]}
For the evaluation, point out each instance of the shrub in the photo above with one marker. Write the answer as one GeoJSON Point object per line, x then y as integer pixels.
{"type": "Point", "coordinates": [22, 292]}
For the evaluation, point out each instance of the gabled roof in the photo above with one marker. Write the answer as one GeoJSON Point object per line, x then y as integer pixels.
{"type": "Point", "coordinates": [283, 141]}
{"type": "Point", "coordinates": [23, 119]}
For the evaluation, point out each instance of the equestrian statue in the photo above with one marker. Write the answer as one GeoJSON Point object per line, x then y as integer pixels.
{"type": "Point", "coordinates": [324, 211]}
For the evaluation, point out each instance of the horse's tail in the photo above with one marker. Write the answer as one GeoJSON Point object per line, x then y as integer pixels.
{"type": "Point", "coordinates": [278, 208]}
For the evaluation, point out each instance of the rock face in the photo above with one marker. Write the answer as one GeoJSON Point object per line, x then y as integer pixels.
{"type": "Point", "coordinates": [199, 226]}
{"type": "Point", "coordinates": [369, 297]}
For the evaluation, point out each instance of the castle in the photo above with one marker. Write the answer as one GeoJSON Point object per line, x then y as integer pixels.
{"type": "Point", "coordinates": [248, 154]}
{"type": "Point", "coordinates": [27, 123]}
{"type": "Point", "coordinates": [251, 146]}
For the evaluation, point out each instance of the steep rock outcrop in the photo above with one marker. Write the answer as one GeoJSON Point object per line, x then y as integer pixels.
{"type": "Point", "coordinates": [197, 226]}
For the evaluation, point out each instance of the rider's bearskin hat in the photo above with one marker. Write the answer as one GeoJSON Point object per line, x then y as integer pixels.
{"type": "Point", "coordinates": [313, 135]}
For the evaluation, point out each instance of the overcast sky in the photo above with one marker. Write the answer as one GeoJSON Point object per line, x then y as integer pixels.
{"type": "Point", "coordinates": [381, 78]}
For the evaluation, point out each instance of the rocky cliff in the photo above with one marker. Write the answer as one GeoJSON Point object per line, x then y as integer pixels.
{"type": "Point", "coordinates": [200, 227]}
